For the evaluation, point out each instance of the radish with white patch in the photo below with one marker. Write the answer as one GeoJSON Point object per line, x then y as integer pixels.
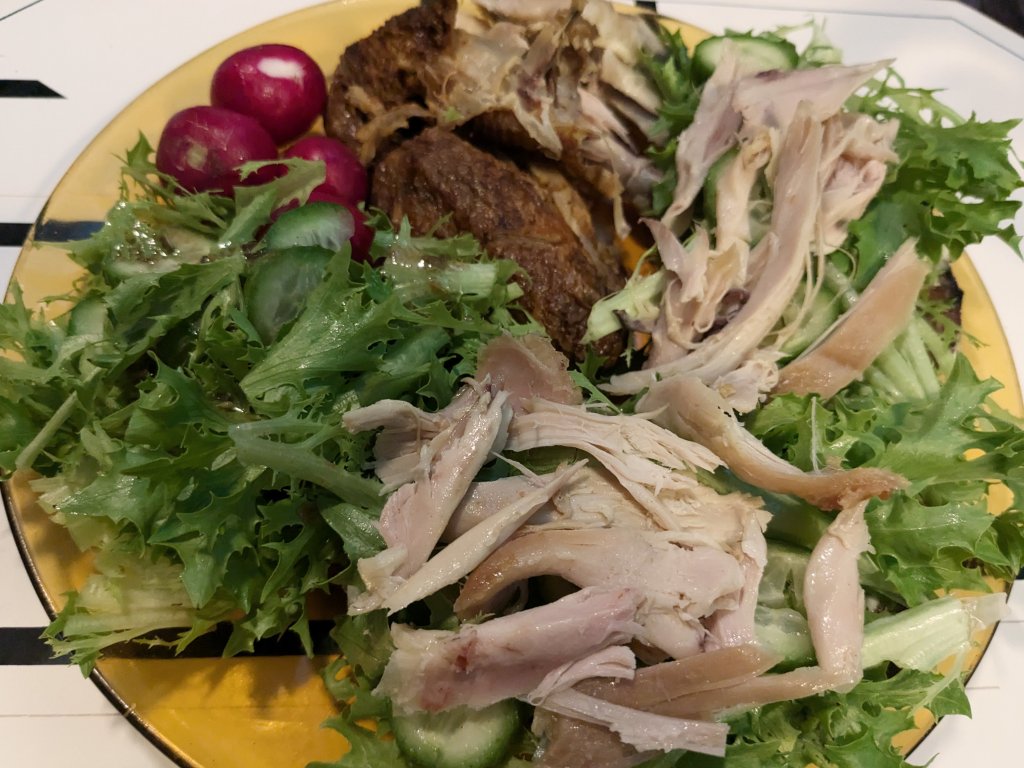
{"type": "Point", "coordinates": [278, 85]}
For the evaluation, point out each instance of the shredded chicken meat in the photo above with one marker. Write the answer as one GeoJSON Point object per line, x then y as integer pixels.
{"type": "Point", "coordinates": [526, 124]}
{"type": "Point", "coordinates": [417, 513]}
{"type": "Point", "coordinates": [726, 292]}
{"type": "Point", "coordinates": [695, 411]}
{"type": "Point", "coordinates": [879, 316]}
{"type": "Point", "coordinates": [679, 584]}
{"type": "Point", "coordinates": [658, 565]}
{"type": "Point", "coordinates": [506, 657]}
{"type": "Point", "coordinates": [783, 253]}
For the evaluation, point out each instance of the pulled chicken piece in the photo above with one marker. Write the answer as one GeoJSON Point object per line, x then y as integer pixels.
{"type": "Point", "coordinates": [470, 549]}
{"type": "Point", "coordinates": [834, 597]}
{"type": "Point", "coordinates": [591, 499]}
{"type": "Point", "coordinates": [772, 99]}
{"type": "Point", "coordinates": [650, 462]}
{"type": "Point", "coordinates": [711, 134]}
{"type": "Point", "coordinates": [527, 367]}
{"type": "Point", "coordinates": [858, 150]}
{"type": "Point", "coordinates": [696, 412]}
{"type": "Point", "coordinates": [734, 625]}
{"type": "Point", "coordinates": [644, 731]}
{"type": "Point", "coordinates": [568, 742]}
{"type": "Point", "coordinates": [679, 584]}
{"type": "Point", "coordinates": [835, 613]}
{"type": "Point", "coordinates": [558, 696]}
{"type": "Point", "coordinates": [485, 498]}
{"type": "Point", "coordinates": [415, 515]}
{"type": "Point", "coordinates": [878, 317]}
{"type": "Point", "coordinates": [506, 657]}
{"type": "Point", "coordinates": [723, 301]}
{"type": "Point", "coordinates": [783, 255]}
{"type": "Point", "coordinates": [654, 686]}
{"type": "Point", "coordinates": [719, 682]}
{"type": "Point", "coordinates": [404, 431]}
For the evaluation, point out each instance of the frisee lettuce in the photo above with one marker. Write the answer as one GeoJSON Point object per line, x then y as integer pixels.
{"type": "Point", "coordinates": [846, 730]}
{"type": "Point", "coordinates": [939, 533]}
{"type": "Point", "coordinates": [950, 189]}
{"type": "Point", "coordinates": [210, 467]}
{"type": "Point", "coordinates": [202, 461]}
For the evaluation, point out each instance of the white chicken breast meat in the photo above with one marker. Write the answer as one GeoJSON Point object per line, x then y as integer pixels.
{"type": "Point", "coordinates": [506, 657]}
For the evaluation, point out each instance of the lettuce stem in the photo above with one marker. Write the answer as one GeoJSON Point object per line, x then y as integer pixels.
{"type": "Point", "coordinates": [901, 373]}
{"type": "Point", "coordinates": [913, 349]}
{"type": "Point", "coordinates": [301, 463]}
{"type": "Point", "coordinates": [31, 451]}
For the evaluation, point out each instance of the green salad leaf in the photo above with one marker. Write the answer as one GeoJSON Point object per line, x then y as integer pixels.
{"type": "Point", "coordinates": [951, 187]}
{"type": "Point", "coordinates": [185, 422]}
{"type": "Point", "coordinates": [939, 533]}
{"type": "Point", "coordinates": [212, 462]}
{"type": "Point", "coordinates": [845, 730]}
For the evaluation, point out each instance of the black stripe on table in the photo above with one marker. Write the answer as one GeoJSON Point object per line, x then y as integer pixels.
{"type": "Point", "coordinates": [647, 5]}
{"type": "Point", "coordinates": [24, 646]}
{"type": "Point", "coordinates": [19, 10]}
{"type": "Point", "coordinates": [57, 231]}
{"type": "Point", "coordinates": [13, 234]}
{"type": "Point", "coordinates": [26, 89]}
{"type": "Point", "coordinates": [21, 646]}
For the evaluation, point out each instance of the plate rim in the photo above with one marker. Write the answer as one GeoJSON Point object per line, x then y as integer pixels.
{"type": "Point", "coordinates": [96, 676]}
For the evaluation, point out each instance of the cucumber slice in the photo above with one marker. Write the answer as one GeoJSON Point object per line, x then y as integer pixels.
{"type": "Point", "coordinates": [88, 317]}
{"type": "Point", "coordinates": [757, 54]}
{"type": "Point", "coordinates": [323, 224]}
{"type": "Point", "coordinates": [280, 282]}
{"type": "Point", "coordinates": [458, 738]}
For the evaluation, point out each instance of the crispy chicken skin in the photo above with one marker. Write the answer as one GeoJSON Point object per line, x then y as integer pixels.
{"type": "Point", "coordinates": [389, 100]}
{"type": "Point", "coordinates": [444, 184]}
{"type": "Point", "coordinates": [384, 71]}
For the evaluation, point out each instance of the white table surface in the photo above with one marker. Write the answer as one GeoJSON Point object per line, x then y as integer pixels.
{"type": "Point", "coordinates": [99, 55]}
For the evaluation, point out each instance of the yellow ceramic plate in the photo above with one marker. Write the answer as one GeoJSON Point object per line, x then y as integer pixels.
{"type": "Point", "coordinates": [264, 710]}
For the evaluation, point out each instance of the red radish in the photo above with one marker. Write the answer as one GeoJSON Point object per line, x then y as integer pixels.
{"type": "Point", "coordinates": [346, 176]}
{"type": "Point", "coordinates": [278, 85]}
{"type": "Point", "coordinates": [202, 147]}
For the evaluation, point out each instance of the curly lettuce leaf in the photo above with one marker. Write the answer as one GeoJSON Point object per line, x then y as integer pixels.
{"type": "Point", "coordinates": [950, 189]}
{"type": "Point", "coordinates": [376, 331]}
{"type": "Point", "coordinates": [365, 645]}
{"type": "Point", "coordinates": [833, 730]}
{"type": "Point", "coordinates": [844, 730]}
{"type": "Point", "coordinates": [144, 408]}
{"type": "Point", "coordinates": [939, 533]}
{"type": "Point", "coordinates": [672, 77]}
{"type": "Point", "coordinates": [157, 226]}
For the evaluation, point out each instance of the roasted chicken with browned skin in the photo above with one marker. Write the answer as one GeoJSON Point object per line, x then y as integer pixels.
{"type": "Point", "coordinates": [530, 137]}
{"type": "Point", "coordinates": [442, 183]}
{"type": "Point", "coordinates": [383, 73]}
